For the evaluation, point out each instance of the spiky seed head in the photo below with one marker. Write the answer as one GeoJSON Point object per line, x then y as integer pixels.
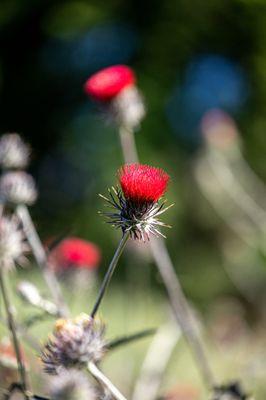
{"type": "Point", "coordinates": [127, 108]}
{"type": "Point", "coordinates": [14, 153]}
{"type": "Point", "coordinates": [107, 83]}
{"type": "Point", "coordinates": [12, 243]}
{"type": "Point", "coordinates": [71, 384]}
{"type": "Point", "coordinates": [74, 343]}
{"type": "Point", "coordinates": [136, 205]}
{"type": "Point", "coordinates": [17, 187]}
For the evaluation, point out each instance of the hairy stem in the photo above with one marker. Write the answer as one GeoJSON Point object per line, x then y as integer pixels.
{"type": "Point", "coordinates": [41, 259]}
{"type": "Point", "coordinates": [109, 273]}
{"type": "Point", "coordinates": [13, 331]}
{"type": "Point", "coordinates": [104, 381]}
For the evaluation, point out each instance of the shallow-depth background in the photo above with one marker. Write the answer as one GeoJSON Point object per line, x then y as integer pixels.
{"type": "Point", "coordinates": [189, 57]}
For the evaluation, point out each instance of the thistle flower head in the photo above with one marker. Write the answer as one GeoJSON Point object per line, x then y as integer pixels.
{"type": "Point", "coordinates": [17, 187]}
{"type": "Point", "coordinates": [71, 384]}
{"type": "Point", "coordinates": [142, 183]}
{"type": "Point", "coordinates": [74, 343]}
{"type": "Point", "coordinates": [14, 153]}
{"type": "Point", "coordinates": [115, 87]}
{"type": "Point", "coordinates": [12, 243]}
{"type": "Point", "coordinates": [74, 252]}
{"type": "Point", "coordinates": [109, 82]}
{"type": "Point", "coordinates": [137, 203]}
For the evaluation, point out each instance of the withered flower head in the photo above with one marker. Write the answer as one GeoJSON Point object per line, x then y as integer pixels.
{"type": "Point", "coordinates": [74, 343]}
{"type": "Point", "coordinates": [137, 204]}
{"type": "Point", "coordinates": [17, 187]}
{"type": "Point", "coordinates": [14, 153]}
{"type": "Point", "coordinates": [71, 384]}
{"type": "Point", "coordinates": [12, 243]}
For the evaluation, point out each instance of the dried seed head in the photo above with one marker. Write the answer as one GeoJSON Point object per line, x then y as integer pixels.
{"type": "Point", "coordinates": [75, 253]}
{"type": "Point", "coordinates": [106, 84]}
{"type": "Point", "coordinates": [127, 108]}
{"type": "Point", "coordinates": [71, 385]}
{"type": "Point", "coordinates": [14, 153]}
{"type": "Point", "coordinates": [17, 187]}
{"type": "Point", "coordinates": [74, 343]}
{"type": "Point", "coordinates": [12, 243]}
{"type": "Point", "coordinates": [136, 204]}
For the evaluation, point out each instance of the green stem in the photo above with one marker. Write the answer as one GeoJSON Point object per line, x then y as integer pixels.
{"type": "Point", "coordinates": [110, 272]}
{"type": "Point", "coordinates": [12, 328]}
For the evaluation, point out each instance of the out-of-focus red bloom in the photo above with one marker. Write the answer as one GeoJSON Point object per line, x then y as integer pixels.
{"type": "Point", "coordinates": [8, 356]}
{"type": "Point", "coordinates": [219, 129]}
{"type": "Point", "coordinates": [109, 82]}
{"type": "Point", "coordinates": [73, 252]}
{"type": "Point", "coordinates": [142, 183]}
{"type": "Point", "coordinates": [183, 392]}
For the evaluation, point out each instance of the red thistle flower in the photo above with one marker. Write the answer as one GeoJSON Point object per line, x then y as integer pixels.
{"type": "Point", "coordinates": [76, 253]}
{"type": "Point", "coordinates": [136, 204]}
{"type": "Point", "coordinates": [109, 82]}
{"type": "Point", "coordinates": [142, 183]}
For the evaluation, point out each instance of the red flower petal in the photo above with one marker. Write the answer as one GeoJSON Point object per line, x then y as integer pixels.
{"type": "Point", "coordinates": [107, 83]}
{"type": "Point", "coordinates": [142, 183]}
{"type": "Point", "coordinates": [76, 253]}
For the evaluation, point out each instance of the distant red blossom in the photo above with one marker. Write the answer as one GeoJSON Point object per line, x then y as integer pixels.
{"type": "Point", "coordinates": [109, 82]}
{"type": "Point", "coordinates": [183, 392]}
{"type": "Point", "coordinates": [142, 183]}
{"type": "Point", "coordinates": [73, 252]}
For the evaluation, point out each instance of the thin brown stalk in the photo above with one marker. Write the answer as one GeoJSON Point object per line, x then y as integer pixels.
{"type": "Point", "coordinates": [13, 331]}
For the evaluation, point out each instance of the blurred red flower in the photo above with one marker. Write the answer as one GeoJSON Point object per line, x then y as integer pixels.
{"type": "Point", "coordinates": [109, 82]}
{"type": "Point", "coordinates": [74, 252]}
{"type": "Point", "coordinates": [183, 392]}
